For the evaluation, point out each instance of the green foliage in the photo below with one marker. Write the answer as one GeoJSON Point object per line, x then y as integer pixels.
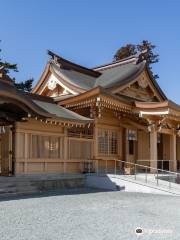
{"type": "Point", "coordinates": [7, 67]}
{"type": "Point", "coordinates": [132, 49]}
{"type": "Point", "coordinates": [25, 86]}
{"type": "Point", "coordinates": [125, 51]}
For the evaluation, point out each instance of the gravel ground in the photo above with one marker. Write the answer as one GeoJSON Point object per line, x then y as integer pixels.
{"type": "Point", "coordinates": [89, 215]}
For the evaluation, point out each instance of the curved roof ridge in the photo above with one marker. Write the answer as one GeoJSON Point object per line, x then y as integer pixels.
{"type": "Point", "coordinates": [126, 60]}
{"type": "Point", "coordinates": [65, 80]}
{"type": "Point", "coordinates": [68, 64]}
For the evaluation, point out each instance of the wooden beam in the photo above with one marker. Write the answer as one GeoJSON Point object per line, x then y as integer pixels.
{"type": "Point", "coordinates": [134, 124]}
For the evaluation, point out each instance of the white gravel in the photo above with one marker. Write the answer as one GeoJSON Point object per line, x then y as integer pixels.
{"type": "Point", "coordinates": [90, 215]}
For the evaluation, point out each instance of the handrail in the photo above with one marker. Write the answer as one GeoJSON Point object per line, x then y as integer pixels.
{"type": "Point", "coordinates": [145, 166]}
{"type": "Point", "coordinates": [159, 160]}
{"type": "Point", "coordinates": [156, 172]}
{"type": "Point", "coordinates": [159, 169]}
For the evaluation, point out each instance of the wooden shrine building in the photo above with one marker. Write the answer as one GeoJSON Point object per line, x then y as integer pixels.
{"type": "Point", "coordinates": [114, 111]}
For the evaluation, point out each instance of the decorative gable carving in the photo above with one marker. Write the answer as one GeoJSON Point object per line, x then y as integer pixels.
{"type": "Point", "coordinates": [53, 88]}
{"type": "Point", "coordinates": [142, 82]}
{"type": "Point", "coordinates": [56, 92]}
{"type": "Point", "coordinates": [52, 84]}
{"type": "Point", "coordinates": [141, 89]}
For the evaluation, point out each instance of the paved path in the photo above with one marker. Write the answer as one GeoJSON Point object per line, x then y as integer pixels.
{"type": "Point", "coordinates": [90, 216]}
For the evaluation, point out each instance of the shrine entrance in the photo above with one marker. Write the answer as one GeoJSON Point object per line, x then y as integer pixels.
{"type": "Point", "coordinates": [10, 113]}
{"type": "Point", "coordinates": [163, 151]}
{"type": "Point", "coordinates": [6, 165]}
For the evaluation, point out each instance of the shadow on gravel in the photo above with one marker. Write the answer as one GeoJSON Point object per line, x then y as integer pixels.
{"type": "Point", "coordinates": [51, 193]}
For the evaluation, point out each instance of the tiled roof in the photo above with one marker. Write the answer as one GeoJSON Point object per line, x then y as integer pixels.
{"type": "Point", "coordinates": [119, 75]}
{"type": "Point", "coordinates": [109, 77]}
{"type": "Point", "coordinates": [81, 79]}
{"type": "Point", "coordinates": [39, 105]}
{"type": "Point", "coordinates": [78, 79]}
{"type": "Point", "coordinates": [60, 112]}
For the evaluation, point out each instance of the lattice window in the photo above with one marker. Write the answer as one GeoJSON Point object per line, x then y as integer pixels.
{"type": "Point", "coordinates": [103, 144]}
{"type": "Point", "coordinates": [107, 142]}
{"type": "Point", "coordinates": [113, 142]}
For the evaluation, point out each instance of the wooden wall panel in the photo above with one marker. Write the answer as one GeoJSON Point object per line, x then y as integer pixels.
{"type": "Point", "coordinates": [20, 145]}
{"type": "Point", "coordinates": [143, 148]}
{"type": "Point", "coordinates": [54, 167]}
{"type": "Point", "coordinates": [73, 167]}
{"type": "Point", "coordinates": [20, 168]}
{"type": "Point", "coordinates": [80, 149]}
{"type": "Point", "coordinates": [32, 157]}
{"type": "Point", "coordinates": [35, 168]}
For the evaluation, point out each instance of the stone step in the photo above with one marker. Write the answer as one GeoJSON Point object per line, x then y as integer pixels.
{"type": "Point", "coordinates": [9, 184]}
{"type": "Point", "coordinates": [29, 185]}
{"type": "Point", "coordinates": [18, 189]}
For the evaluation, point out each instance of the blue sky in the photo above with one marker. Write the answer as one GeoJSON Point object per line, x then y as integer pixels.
{"type": "Point", "coordinates": [89, 32]}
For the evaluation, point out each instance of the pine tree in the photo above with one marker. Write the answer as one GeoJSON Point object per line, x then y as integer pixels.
{"type": "Point", "coordinates": [132, 49]}
{"type": "Point", "coordinates": [125, 51]}
{"type": "Point", "coordinates": [25, 86]}
{"type": "Point", "coordinates": [7, 67]}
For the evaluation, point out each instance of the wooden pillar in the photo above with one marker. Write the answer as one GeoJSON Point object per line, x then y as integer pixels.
{"type": "Point", "coordinates": [95, 140]}
{"type": "Point", "coordinates": [6, 152]}
{"type": "Point", "coordinates": [13, 150]}
{"type": "Point", "coordinates": [153, 149]}
{"type": "Point", "coordinates": [95, 146]}
{"type": "Point", "coordinates": [173, 162]}
{"type": "Point", "coordinates": [16, 145]}
{"type": "Point", "coordinates": [66, 151]}
{"type": "Point", "coordinates": [26, 151]}
{"type": "Point", "coordinates": [124, 144]}
{"type": "Point", "coordinates": [178, 152]}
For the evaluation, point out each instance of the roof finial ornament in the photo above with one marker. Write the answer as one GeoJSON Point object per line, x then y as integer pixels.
{"type": "Point", "coordinates": [142, 56]}
{"type": "Point", "coordinates": [1, 71]}
{"type": "Point", "coordinates": [1, 68]}
{"type": "Point", "coordinates": [54, 58]}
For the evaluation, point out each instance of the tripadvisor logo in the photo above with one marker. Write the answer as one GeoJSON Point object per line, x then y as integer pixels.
{"type": "Point", "coordinates": [138, 231]}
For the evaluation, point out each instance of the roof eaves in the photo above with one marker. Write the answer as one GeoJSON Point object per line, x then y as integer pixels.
{"type": "Point", "coordinates": [156, 84]}
{"type": "Point", "coordinates": [35, 96]}
{"type": "Point", "coordinates": [88, 94]}
{"type": "Point", "coordinates": [41, 80]}
{"type": "Point", "coordinates": [16, 95]}
{"type": "Point", "coordinates": [55, 110]}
